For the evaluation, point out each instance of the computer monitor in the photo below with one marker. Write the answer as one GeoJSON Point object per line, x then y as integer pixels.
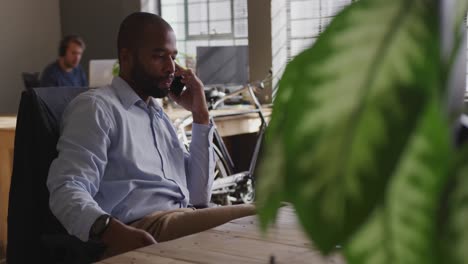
{"type": "Point", "coordinates": [223, 65]}
{"type": "Point", "coordinates": [100, 72]}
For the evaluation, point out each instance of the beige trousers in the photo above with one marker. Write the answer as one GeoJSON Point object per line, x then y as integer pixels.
{"type": "Point", "coordinates": [168, 225]}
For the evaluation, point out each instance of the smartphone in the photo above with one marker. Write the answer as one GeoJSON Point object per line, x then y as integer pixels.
{"type": "Point", "coordinates": [177, 86]}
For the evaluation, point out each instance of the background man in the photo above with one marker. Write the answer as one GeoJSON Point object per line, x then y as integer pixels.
{"type": "Point", "coordinates": [66, 70]}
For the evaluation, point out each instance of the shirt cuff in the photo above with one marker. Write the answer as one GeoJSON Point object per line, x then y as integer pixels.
{"type": "Point", "coordinates": [89, 217]}
{"type": "Point", "coordinates": [202, 133]}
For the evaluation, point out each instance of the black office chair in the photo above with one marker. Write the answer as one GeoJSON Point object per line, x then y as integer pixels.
{"type": "Point", "coordinates": [30, 80]}
{"type": "Point", "coordinates": [34, 234]}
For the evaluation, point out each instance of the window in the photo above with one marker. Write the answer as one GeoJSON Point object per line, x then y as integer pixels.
{"type": "Point", "coordinates": [466, 52]}
{"type": "Point", "coordinates": [296, 24]}
{"type": "Point", "coordinates": [205, 23]}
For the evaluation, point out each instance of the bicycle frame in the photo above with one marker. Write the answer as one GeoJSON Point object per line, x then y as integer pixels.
{"type": "Point", "coordinates": [234, 176]}
{"type": "Point", "coordinates": [261, 132]}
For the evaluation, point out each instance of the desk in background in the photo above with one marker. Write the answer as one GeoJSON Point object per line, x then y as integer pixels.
{"type": "Point", "coordinates": [238, 241]}
{"type": "Point", "coordinates": [7, 141]}
{"type": "Point", "coordinates": [228, 125]}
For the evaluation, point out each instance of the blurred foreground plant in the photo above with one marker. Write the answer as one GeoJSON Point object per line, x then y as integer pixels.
{"type": "Point", "coordinates": [360, 139]}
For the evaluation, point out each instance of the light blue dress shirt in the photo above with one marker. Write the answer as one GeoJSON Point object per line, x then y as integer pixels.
{"type": "Point", "coordinates": [121, 156]}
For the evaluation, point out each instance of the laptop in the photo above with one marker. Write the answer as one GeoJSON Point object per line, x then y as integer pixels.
{"type": "Point", "coordinates": [100, 72]}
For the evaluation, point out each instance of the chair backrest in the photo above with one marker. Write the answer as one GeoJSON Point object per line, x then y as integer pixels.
{"type": "Point", "coordinates": [30, 80]}
{"type": "Point", "coordinates": [30, 221]}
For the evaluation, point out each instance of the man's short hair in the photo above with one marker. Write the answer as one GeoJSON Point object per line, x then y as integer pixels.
{"type": "Point", "coordinates": [132, 28]}
{"type": "Point", "coordinates": [67, 40]}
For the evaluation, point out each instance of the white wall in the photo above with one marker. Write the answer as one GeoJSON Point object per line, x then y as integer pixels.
{"type": "Point", "coordinates": [29, 35]}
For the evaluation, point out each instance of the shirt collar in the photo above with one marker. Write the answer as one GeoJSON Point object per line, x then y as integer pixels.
{"type": "Point", "coordinates": [155, 105]}
{"type": "Point", "coordinates": [128, 97]}
{"type": "Point", "coordinates": [126, 94]}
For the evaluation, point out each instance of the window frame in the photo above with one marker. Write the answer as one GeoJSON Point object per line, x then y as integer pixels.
{"type": "Point", "coordinates": [208, 36]}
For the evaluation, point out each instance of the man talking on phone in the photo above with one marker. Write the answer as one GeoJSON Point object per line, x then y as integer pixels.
{"type": "Point", "coordinates": [121, 176]}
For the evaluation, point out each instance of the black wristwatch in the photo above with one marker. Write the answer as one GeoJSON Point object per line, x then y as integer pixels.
{"type": "Point", "coordinates": [99, 226]}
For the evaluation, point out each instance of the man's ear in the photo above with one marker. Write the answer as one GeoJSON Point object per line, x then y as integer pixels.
{"type": "Point", "coordinates": [126, 59]}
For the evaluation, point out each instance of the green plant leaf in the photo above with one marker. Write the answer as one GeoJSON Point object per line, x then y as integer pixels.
{"type": "Point", "coordinates": [454, 240]}
{"type": "Point", "coordinates": [270, 189]}
{"type": "Point", "coordinates": [345, 110]}
{"type": "Point", "coordinates": [403, 229]}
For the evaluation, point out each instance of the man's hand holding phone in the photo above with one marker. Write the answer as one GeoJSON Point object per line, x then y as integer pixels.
{"type": "Point", "coordinates": [193, 97]}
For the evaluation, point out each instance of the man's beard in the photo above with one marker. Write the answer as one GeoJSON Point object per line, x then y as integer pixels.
{"type": "Point", "coordinates": [146, 83]}
{"type": "Point", "coordinates": [68, 64]}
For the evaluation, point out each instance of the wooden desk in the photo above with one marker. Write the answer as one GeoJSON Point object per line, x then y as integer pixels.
{"type": "Point", "coordinates": [7, 140]}
{"type": "Point", "coordinates": [238, 241]}
{"type": "Point", "coordinates": [229, 125]}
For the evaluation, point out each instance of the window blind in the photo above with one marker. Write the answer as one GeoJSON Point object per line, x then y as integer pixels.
{"type": "Point", "coordinates": [296, 24]}
{"type": "Point", "coordinates": [466, 79]}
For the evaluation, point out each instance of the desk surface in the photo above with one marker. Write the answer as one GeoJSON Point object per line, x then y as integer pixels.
{"type": "Point", "coordinates": [7, 122]}
{"type": "Point", "coordinates": [238, 241]}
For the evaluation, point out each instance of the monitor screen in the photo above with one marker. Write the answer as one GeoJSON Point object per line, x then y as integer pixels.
{"type": "Point", "coordinates": [223, 65]}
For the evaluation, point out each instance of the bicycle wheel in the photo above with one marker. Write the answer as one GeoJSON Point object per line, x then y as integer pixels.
{"type": "Point", "coordinates": [240, 193]}
{"type": "Point", "coordinates": [221, 171]}
{"type": "Point", "coordinates": [247, 192]}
